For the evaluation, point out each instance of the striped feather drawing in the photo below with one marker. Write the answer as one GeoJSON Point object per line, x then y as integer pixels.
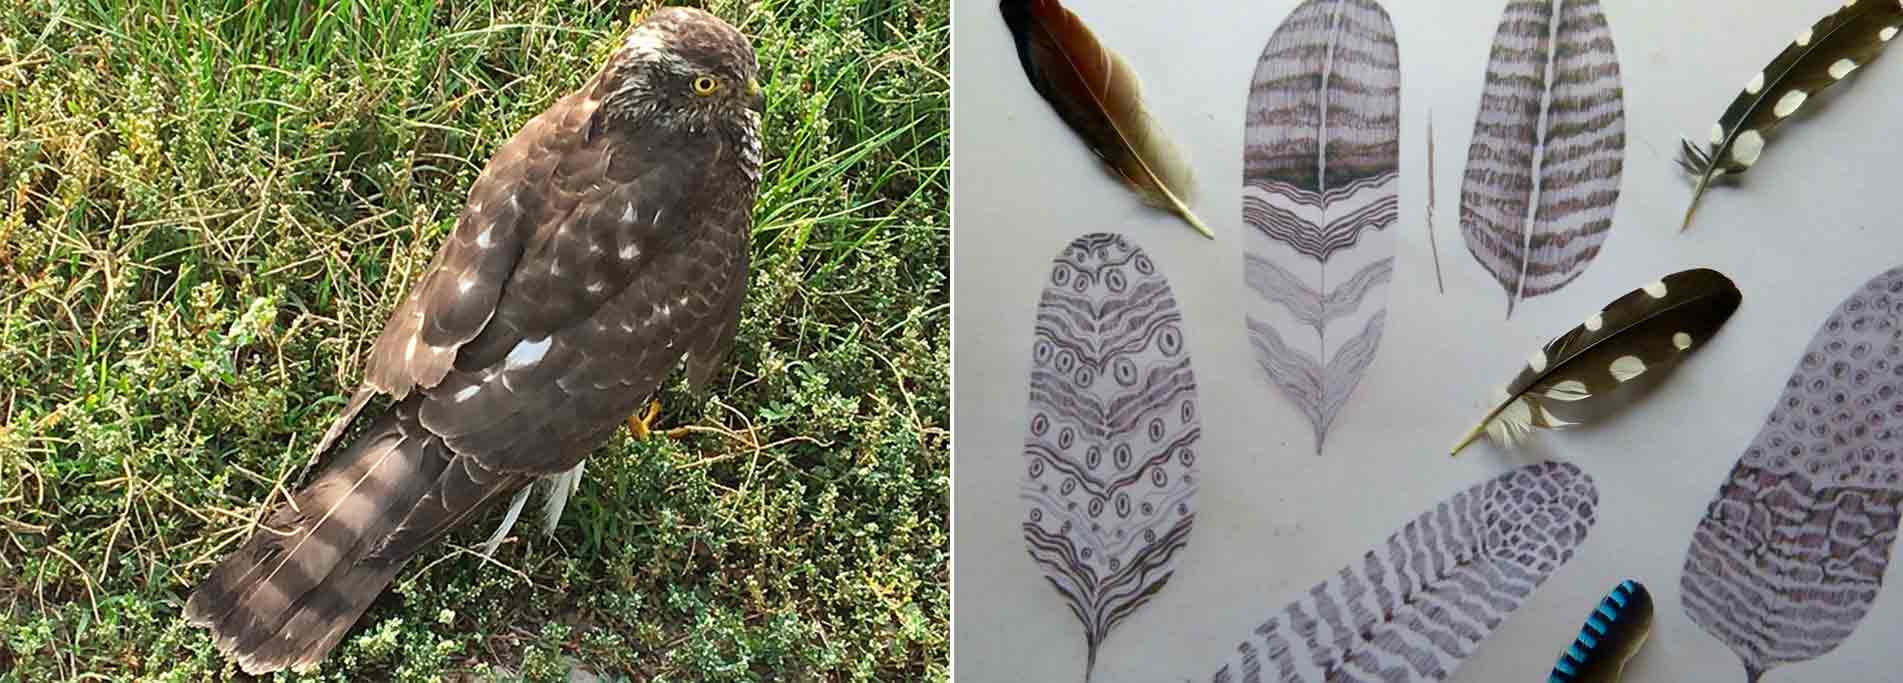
{"type": "Point", "coordinates": [1110, 461]}
{"type": "Point", "coordinates": [1320, 182]}
{"type": "Point", "coordinates": [1792, 550]}
{"type": "Point", "coordinates": [1548, 148]}
{"type": "Point", "coordinates": [1416, 606]}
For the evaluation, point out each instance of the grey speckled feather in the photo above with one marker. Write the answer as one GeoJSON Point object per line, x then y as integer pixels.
{"type": "Point", "coordinates": [1110, 459]}
{"type": "Point", "coordinates": [1548, 148]}
{"type": "Point", "coordinates": [1321, 185]}
{"type": "Point", "coordinates": [1792, 550]}
{"type": "Point", "coordinates": [1418, 604]}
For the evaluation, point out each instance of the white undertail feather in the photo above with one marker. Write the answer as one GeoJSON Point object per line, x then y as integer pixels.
{"type": "Point", "coordinates": [560, 487]}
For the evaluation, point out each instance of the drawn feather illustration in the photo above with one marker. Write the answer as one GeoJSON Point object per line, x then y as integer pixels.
{"type": "Point", "coordinates": [1614, 631]}
{"type": "Point", "coordinates": [1099, 97]}
{"type": "Point", "coordinates": [1416, 606]}
{"type": "Point", "coordinates": [1793, 548]}
{"type": "Point", "coordinates": [1321, 181]}
{"type": "Point", "coordinates": [1110, 459]}
{"type": "Point", "coordinates": [1578, 374]}
{"type": "Point", "coordinates": [1548, 148]}
{"type": "Point", "coordinates": [1822, 55]}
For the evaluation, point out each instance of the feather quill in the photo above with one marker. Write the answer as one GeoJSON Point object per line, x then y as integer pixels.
{"type": "Point", "coordinates": [1321, 186]}
{"type": "Point", "coordinates": [1414, 607]}
{"type": "Point", "coordinates": [1642, 333]}
{"type": "Point", "coordinates": [1548, 148]}
{"type": "Point", "coordinates": [1822, 55]}
{"type": "Point", "coordinates": [1097, 94]}
{"type": "Point", "coordinates": [1110, 460]}
{"type": "Point", "coordinates": [1791, 552]}
{"type": "Point", "coordinates": [1614, 631]}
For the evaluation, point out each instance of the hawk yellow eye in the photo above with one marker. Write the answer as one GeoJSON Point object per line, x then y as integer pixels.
{"type": "Point", "coordinates": [706, 85]}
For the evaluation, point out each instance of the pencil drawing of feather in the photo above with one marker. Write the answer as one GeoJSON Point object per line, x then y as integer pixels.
{"type": "Point", "coordinates": [1822, 55]}
{"type": "Point", "coordinates": [1110, 459]}
{"type": "Point", "coordinates": [1097, 94]}
{"type": "Point", "coordinates": [1614, 631]}
{"type": "Point", "coordinates": [1548, 148]}
{"type": "Point", "coordinates": [1792, 550]}
{"type": "Point", "coordinates": [1579, 373]}
{"type": "Point", "coordinates": [1414, 607]}
{"type": "Point", "coordinates": [1321, 184]}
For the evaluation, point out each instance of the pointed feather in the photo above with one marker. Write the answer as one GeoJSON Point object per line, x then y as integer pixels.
{"type": "Point", "coordinates": [1110, 458]}
{"type": "Point", "coordinates": [1099, 97]}
{"type": "Point", "coordinates": [1821, 56]}
{"type": "Point", "coordinates": [1321, 185]}
{"type": "Point", "coordinates": [1791, 552]}
{"type": "Point", "coordinates": [1614, 631]}
{"type": "Point", "coordinates": [1416, 606]}
{"type": "Point", "coordinates": [1647, 330]}
{"type": "Point", "coordinates": [1548, 149]}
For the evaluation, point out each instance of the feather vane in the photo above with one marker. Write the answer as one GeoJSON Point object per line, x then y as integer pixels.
{"type": "Point", "coordinates": [1321, 183]}
{"type": "Point", "coordinates": [1614, 631]}
{"type": "Point", "coordinates": [1548, 148]}
{"type": "Point", "coordinates": [1821, 56]}
{"type": "Point", "coordinates": [1645, 332]}
{"type": "Point", "coordinates": [1111, 454]}
{"type": "Point", "coordinates": [1097, 94]}
{"type": "Point", "coordinates": [1414, 607]}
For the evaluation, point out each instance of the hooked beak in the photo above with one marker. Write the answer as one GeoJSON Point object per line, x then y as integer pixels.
{"type": "Point", "coordinates": [756, 97]}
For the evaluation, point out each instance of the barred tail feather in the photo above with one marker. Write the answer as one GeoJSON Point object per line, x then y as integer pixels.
{"type": "Point", "coordinates": [290, 593]}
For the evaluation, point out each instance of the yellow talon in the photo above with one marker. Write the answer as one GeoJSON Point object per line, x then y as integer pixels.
{"type": "Point", "coordinates": [638, 424]}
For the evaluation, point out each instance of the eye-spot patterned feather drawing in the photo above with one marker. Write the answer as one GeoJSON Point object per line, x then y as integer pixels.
{"type": "Point", "coordinates": [1418, 604]}
{"type": "Point", "coordinates": [1110, 460]}
{"type": "Point", "coordinates": [1821, 56]}
{"type": "Point", "coordinates": [602, 244]}
{"type": "Point", "coordinates": [1548, 148]}
{"type": "Point", "coordinates": [1321, 183]}
{"type": "Point", "coordinates": [1792, 550]}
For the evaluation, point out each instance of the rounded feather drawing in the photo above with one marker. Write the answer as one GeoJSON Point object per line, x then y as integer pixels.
{"type": "Point", "coordinates": [1792, 550]}
{"type": "Point", "coordinates": [1110, 457]}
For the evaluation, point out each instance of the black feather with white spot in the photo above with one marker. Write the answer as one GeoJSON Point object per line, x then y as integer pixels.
{"type": "Point", "coordinates": [1649, 329]}
{"type": "Point", "coordinates": [1818, 58]}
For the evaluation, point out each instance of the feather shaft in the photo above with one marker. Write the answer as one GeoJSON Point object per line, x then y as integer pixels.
{"type": "Point", "coordinates": [1098, 95]}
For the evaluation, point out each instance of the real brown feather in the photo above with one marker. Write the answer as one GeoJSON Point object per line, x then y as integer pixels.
{"type": "Point", "coordinates": [1097, 94]}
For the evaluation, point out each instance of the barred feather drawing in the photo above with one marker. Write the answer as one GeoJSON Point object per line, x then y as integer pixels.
{"type": "Point", "coordinates": [1110, 461]}
{"type": "Point", "coordinates": [1416, 606]}
{"type": "Point", "coordinates": [1792, 550]}
{"type": "Point", "coordinates": [1321, 181]}
{"type": "Point", "coordinates": [1548, 148]}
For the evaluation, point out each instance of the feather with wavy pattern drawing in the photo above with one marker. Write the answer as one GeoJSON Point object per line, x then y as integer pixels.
{"type": "Point", "coordinates": [1321, 183]}
{"type": "Point", "coordinates": [1414, 607]}
{"type": "Point", "coordinates": [1792, 550]}
{"type": "Point", "coordinates": [1110, 461]}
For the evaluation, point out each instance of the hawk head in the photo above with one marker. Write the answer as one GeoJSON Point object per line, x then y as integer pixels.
{"type": "Point", "coordinates": [685, 70]}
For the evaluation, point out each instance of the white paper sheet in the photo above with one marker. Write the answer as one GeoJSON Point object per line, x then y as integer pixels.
{"type": "Point", "coordinates": [1817, 217]}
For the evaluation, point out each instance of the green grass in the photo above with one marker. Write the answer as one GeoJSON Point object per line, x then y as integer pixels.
{"type": "Point", "coordinates": [206, 211]}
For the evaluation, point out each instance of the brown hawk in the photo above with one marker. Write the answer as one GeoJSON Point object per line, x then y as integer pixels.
{"type": "Point", "coordinates": [603, 244]}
